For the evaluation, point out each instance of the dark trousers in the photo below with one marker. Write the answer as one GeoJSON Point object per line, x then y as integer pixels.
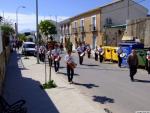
{"type": "Point", "coordinates": [101, 58]}
{"type": "Point", "coordinates": [56, 66]}
{"type": "Point", "coordinates": [80, 59]}
{"type": "Point", "coordinates": [89, 54]}
{"type": "Point", "coordinates": [148, 67]}
{"type": "Point", "coordinates": [119, 61]}
{"type": "Point", "coordinates": [96, 57]}
{"type": "Point", "coordinates": [70, 73]}
{"type": "Point", "coordinates": [133, 70]}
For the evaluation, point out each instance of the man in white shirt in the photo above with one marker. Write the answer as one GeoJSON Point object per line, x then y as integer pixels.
{"type": "Point", "coordinates": [148, 61]}
{"type": "Point", "coordinates": [70, 66]}
{"type": "Point", "coordinates": [56, 57]}
{"type": "Point", "coordinates": [81, 53]}
{"type": "Point", "coordinates": [119, 52]}
{"type": "Point", "coordinates": [101, 52]}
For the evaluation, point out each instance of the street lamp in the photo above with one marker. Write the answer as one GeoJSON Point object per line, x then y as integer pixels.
{"type": "Point", "coordinates": [17, 19]}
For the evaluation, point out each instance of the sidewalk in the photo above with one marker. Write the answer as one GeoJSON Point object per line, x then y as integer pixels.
{"type": "Point", "coordinates": [22, 82]}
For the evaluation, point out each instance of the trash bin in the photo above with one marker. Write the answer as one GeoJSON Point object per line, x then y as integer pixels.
{"type": "Point", "coordinates": [127, 48]}
{"type": "Point", "coordinates": [107, 53]}
{"type": "Point", "coordinates": [142, 57]}
{"type": "Point", "coordinates": [114, 54]}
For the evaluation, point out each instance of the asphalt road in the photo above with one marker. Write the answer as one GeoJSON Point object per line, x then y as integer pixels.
{"type": "Point", "coordinates": [110, 87]}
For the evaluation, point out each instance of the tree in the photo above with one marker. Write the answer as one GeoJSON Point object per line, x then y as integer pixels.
{"type": "Point", "coordinates": [47, 28]}
{"type": "Point", "coordinates": [22, 37]}
{"type": "Point", "coordinates": [1, 19]}
{"type": "Point", "coordinates": [7, 30]}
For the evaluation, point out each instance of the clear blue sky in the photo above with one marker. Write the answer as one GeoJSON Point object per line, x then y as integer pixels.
{"type": "Point", "coordinates": [49, 8]}
{"type": "Point", "coordinates": [56, 7]}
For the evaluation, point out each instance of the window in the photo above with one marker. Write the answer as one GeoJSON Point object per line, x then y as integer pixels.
{"type": "Point", "coordinates": [82, 22]}
{"type": "Point", "coordinates": [75, 24]}
{"type": "Point", "coordinates": [93, 20]}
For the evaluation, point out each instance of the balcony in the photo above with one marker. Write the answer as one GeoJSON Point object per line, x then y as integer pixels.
{"type": "Point", "coordinates": [93, 28]}
{"type": "Point", "coordinates": [81, 29]}
{"type": "Point", "coordinates": [74, 30]}
{"type": "Point", "coordinates": [67, 32]}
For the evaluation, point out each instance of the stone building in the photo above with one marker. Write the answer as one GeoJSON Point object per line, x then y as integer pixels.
{"type": "Point", "coordinates": [103, 25]}
{"type": "Point", "coordinates": [140, 29]}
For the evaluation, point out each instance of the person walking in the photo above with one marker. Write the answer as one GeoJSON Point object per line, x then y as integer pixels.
{"type": "Point", "coordinates": [119, 52]}
{"type": "Point", "coordinates": [101, 53]}
{"type": "Point", "coordinates": [70, 66]}
{"type": "Point", "coordinates": [88, 50]}
{"type": "Point", "coordinates": [148, 60]}
{"type": "Point", "coordinates": [81, 53]}
{"type": "Point", "coordinates": [96, 53]}
{"type": "Point", "coordinates": [56, 57]}
{"type": "Point", "coordinates": [133, 64]}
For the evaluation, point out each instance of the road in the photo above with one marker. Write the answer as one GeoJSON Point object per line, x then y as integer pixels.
{"type": "Point", "coordinates": [110, 87]}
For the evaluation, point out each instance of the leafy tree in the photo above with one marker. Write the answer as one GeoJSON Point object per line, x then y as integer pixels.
{"type": "Point", "coordinates": [7, 30]}
{"type": "Point", "coordinates": [22, 37]}
{"type": "Point", "coordinates": [69, 44]}
{"type": "Point", "coordinates": [47, 28]}
{"type": "Point", "coordinates": [1, 19]}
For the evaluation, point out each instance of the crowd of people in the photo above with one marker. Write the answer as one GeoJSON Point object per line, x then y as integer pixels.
{"type": "Point", "coordinates": [15, 44]}
{"type": "Point", "coordinates": [54, 57]}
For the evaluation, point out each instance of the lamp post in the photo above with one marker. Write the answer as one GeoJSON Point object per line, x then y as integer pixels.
{"type": "Point", "coordinates": [37, 32]}
{"type": "Point", "coordinates": [17, 19]}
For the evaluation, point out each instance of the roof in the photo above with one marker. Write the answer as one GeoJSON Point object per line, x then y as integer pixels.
{"type": "Point", "coordinates": [65, 21]}
{"type": "Point", "coordinates": [96, 9]}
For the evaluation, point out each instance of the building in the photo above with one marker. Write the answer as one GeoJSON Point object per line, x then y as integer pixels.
{"type": "Point", "coordinates": [65, 30]}
{"type": "Point", "coordinates": [140, 29]}
{"type": "Point", "coordinates": [104, 25]}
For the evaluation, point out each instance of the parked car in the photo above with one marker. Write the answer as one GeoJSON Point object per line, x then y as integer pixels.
{"type": "Point", "coordinates": [28, 48]}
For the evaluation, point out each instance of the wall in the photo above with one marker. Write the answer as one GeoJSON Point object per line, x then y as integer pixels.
{"type": "Point", "coordinates": [1, 46]}
{"type": "Point", "coordinates": [4, 57]}
{"type": "Point", "coordinates": [88, 34]}
{"type": "Point", "coordinates": [118, 12]}
{"type": "Point", "coordinates": [140, 28]}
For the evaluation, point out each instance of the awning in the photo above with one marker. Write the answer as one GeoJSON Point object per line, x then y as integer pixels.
{"type": "Point", "coordinates": [127, 38]}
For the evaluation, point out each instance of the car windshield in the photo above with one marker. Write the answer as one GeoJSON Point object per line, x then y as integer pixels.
{"type": "Point", "coordinates": [29, 45]}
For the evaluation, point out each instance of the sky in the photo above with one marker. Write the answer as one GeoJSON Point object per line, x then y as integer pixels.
{"type": "Point", "coordinates": [49, 9]}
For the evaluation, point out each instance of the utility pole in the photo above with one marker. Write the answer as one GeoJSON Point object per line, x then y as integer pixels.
{"type": "Point", "coordinates": [128, 12]}
{"type": "Point", "coordinates": [37, 32]}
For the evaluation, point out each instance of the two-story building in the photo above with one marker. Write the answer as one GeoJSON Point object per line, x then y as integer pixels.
{"type": "Point", "coordinates": [104, 25]}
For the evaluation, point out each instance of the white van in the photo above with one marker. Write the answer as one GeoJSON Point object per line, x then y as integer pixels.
{"type": "Point", "coordinates": [28, 48]}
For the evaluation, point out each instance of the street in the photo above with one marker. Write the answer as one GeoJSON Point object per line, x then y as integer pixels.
{"type": "Point", "coordinates": [109, 86]}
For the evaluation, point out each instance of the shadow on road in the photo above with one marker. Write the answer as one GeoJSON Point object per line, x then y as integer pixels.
{"type": "Point", "coordinates": [66, 73]}
{"type": "Point", "coordinates": [89, 86]}
{"type": "Point", "coordinates": [19, 87]}
{"type": "Point", "coordinates": [105, 69]}
{"type": "Point", "coordinates": [142, 81]}
{"type": "Point", "coordinates": [103, 99]}
{"type": "Point", "coordinates": [90, 65]}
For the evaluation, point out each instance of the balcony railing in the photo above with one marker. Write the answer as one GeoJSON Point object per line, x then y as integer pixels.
{"type": "Point", "coordinates": [81, 29]}
{"type": "Point", "coordinates": [93, 27]}
{"type": "Point", "coordinates": [74, 30]}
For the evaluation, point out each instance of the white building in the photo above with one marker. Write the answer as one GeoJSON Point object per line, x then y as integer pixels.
{"type": "Point", "coordinates": [119, 11]}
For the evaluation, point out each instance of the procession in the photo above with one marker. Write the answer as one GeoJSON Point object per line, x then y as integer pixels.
{"type": "Point", "coordinates": [65, 56]}
{"type": "Point", "coordinates": [100, 54]}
